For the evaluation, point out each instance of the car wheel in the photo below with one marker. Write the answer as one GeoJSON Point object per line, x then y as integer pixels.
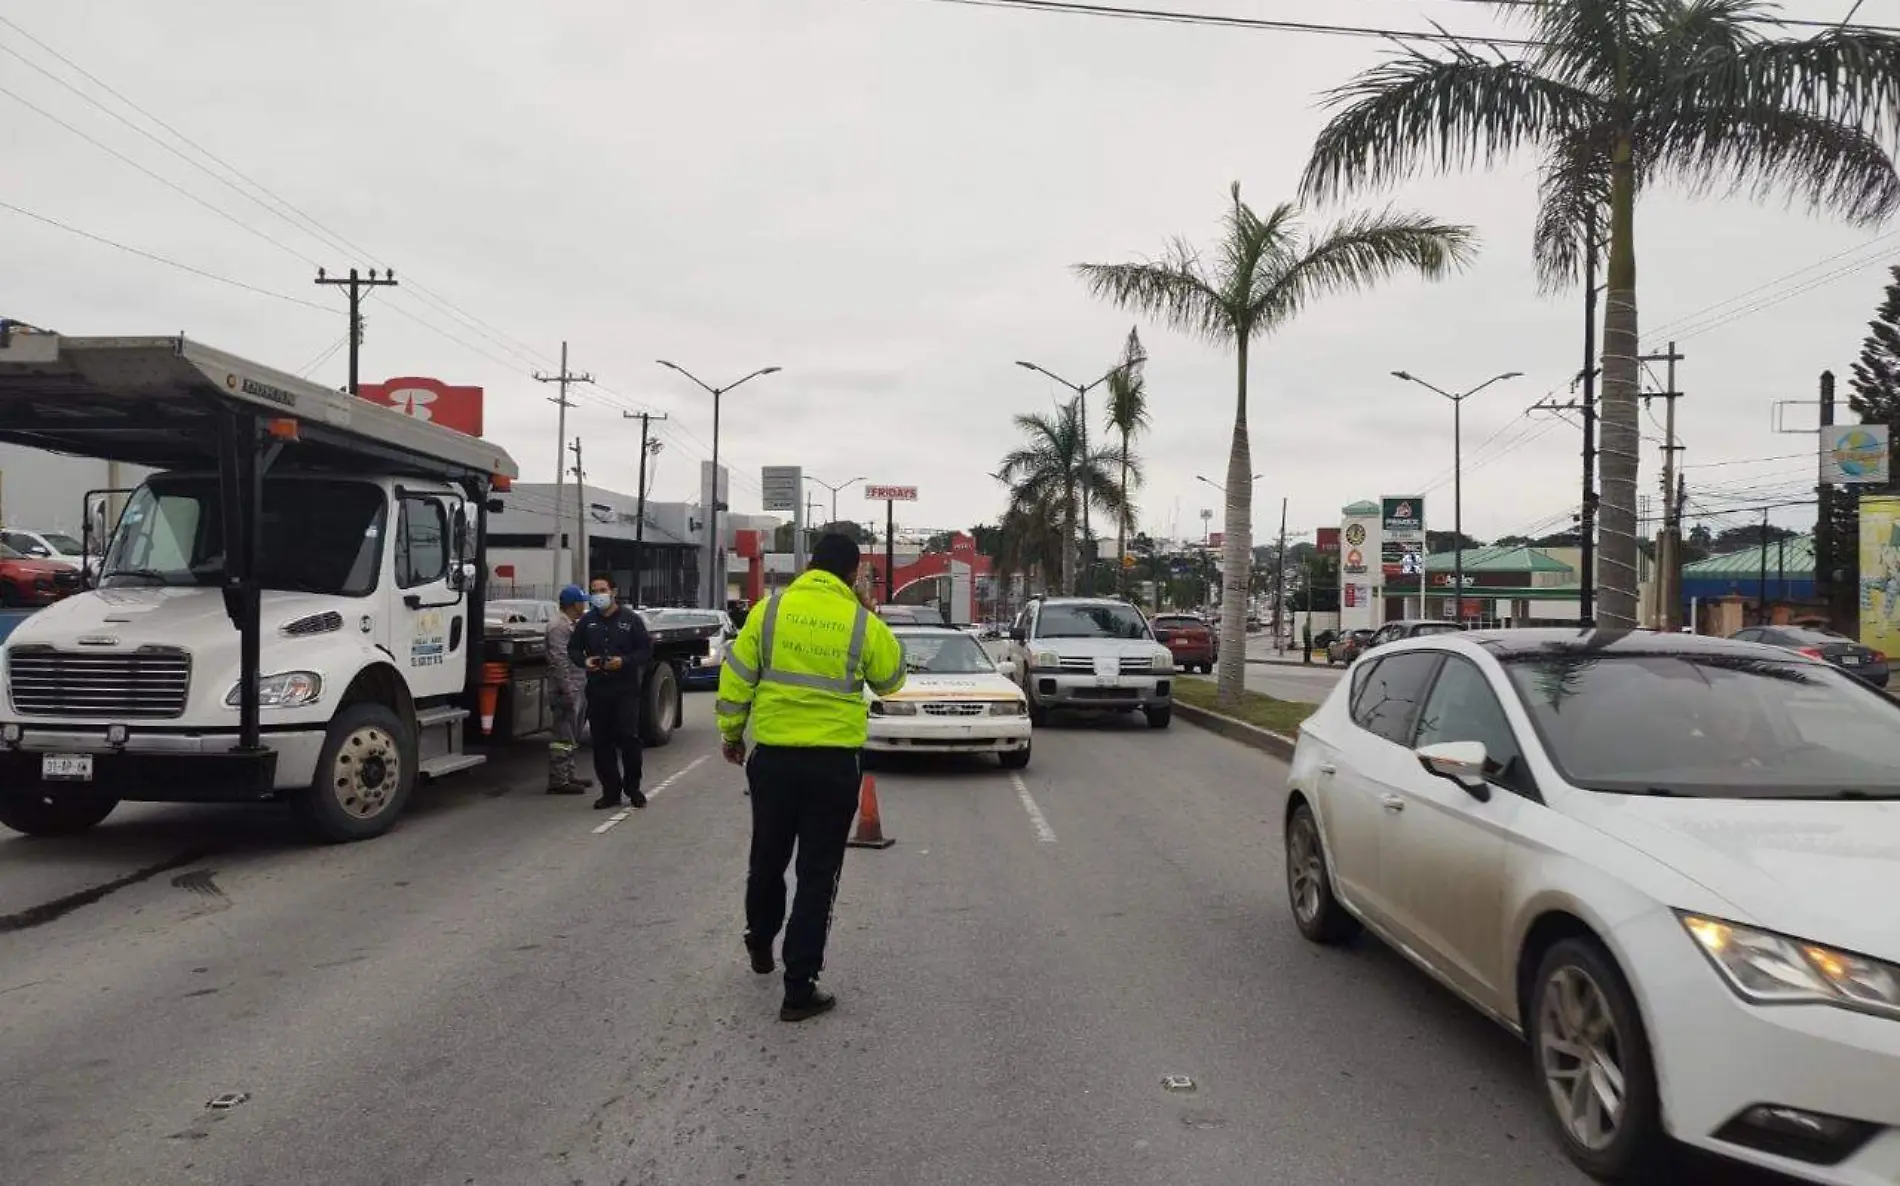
{"type": "Point", "coordinates": [1038, 715]}
{"type": "Point", "coordinates": [1159, 718]}
{"type": "Point", "coordinates": [36, 812]}
{"type": "Point", "coordinates": [1309, 884]}
{"type": "Point", "coordinates": [364, 775]}
{"type": "Point", "coordinates": [1016, 759]}
{"type": "Point", "coordinates": [1589, 1048]}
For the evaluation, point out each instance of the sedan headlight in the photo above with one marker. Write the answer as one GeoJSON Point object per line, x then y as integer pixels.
{"type": "Point", "coordinates": [1009, 708]}
{"type": "Point", "coordinates": [286, 689]}
{"type": "Point", "coordinates": [892, 708]}
{"type": "Point", "coordinates": [1769, 969]}
{"type": "Point", "coordinates": [1045, 660]}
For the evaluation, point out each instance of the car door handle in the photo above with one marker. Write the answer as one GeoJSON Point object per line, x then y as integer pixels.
{"type": "Point", "coordinates": [1328, 768]}
{"type": "Point", "coordinates": [1392, 802]}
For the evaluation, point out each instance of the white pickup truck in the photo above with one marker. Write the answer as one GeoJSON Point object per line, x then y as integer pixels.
{"type": "Point", "coordinates": [289, 610]}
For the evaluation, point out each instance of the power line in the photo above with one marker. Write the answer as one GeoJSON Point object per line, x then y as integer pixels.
{"type": "Point", "coordinates": [170, 263]}
{"type": "Point", "coordinates": [1213, 20]}
{"type": "Point", "coordinates": [1699, 314]}
{"type": "Point", "coordinates": [1794, 22]}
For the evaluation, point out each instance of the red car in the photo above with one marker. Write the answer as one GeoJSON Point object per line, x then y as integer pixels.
{"type": "Point", "coordinates": [26, 581]}
{"type": "Point", "coordinates": [1189, 639]}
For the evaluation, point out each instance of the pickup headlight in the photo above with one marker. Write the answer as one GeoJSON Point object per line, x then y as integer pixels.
{"type": "Point", "coordinates": [1164, 660]}
{"type": "Point", "coordinates": [1769, 969]}
{"type": "Point", "coordinates": [286, 689]}
{"type": "Point", "coordinates": [892, 708]}
{"type": "Point", "coordinates": [1008, 708]}
{"type": "Point", "coordinates": [1045, 660]}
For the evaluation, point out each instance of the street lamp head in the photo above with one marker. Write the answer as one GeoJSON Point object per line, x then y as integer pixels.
{"type": "Point", "coordinates": [671, 365]}
{"type": "Point", "coordinates": [1027, 366]}
{"type": "Point", "coordinates": [1402, 375]}
{"type": "Point", "coordinates": [770, 371]}
{"type": "Point", "coordinates": [1512, 375]}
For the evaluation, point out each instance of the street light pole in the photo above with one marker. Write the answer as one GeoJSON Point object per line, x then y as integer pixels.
{"type": "Point", "coordinates": [1082, 411]}
{"type": "Point", "coordinates": [834, 491]}
{"type": "Point", "coordinates": [714, 594]}
{"type": "Point", "coordinates": [1457, 487]}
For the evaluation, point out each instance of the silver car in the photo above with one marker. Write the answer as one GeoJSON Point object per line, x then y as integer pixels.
{"type": "Point", "coordinates": [1091, 654]}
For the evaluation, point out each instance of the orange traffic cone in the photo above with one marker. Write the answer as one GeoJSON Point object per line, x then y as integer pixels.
{"type": "Point", "coordinates": [870, 827]}
{"type": "Point", "coordinates": [490, 694]}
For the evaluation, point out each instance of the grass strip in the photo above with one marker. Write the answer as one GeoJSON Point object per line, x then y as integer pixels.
{"type": "Point", "coordinates": [1255, 708]}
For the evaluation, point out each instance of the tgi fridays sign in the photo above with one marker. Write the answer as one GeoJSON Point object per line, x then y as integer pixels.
{"type": "Point", "coordinates": [890, 493]}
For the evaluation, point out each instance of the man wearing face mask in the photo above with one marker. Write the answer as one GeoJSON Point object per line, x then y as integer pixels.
{"type": "Point", "coordinates": [611, 644]}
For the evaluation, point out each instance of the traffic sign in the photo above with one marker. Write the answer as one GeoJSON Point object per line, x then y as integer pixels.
{"type": "Point", "coordinates": [780, 485]}
{"type": "Point", "coordinates": [891, 493]}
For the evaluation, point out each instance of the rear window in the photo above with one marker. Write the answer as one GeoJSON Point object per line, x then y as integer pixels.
{"type": "Point", "coordinates": [1180, 624]}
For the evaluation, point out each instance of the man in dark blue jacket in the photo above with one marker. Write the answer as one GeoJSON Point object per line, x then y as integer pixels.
{"type": "Point", "coordinates": [611, 643]}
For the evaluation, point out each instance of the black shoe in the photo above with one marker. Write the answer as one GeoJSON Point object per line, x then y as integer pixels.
{"type": "Point", "coordinates": [583, 783]}
{"type": "Point", "coordinates": [761, 954]}
{"type": "Point", "coordinates": [807, 1005]}
{"type": "Point", "coordinates": [637, 799]}
{"type": "Point", "coordinates": [567, 788]}
{"type": "Point", "coordinates": [606, 802]}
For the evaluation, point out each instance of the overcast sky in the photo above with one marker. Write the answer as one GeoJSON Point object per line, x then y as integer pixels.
{"type": "Point", "coordinates": [884, 197]}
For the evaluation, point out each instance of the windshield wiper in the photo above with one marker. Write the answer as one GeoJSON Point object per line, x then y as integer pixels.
{"type": "Point", "coordinates": [150, 574]}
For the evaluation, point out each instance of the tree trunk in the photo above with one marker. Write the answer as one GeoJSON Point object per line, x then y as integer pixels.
{"type": "Point", "coordinates": [1068, 544]}
{"type": "Point", "coordinates": [1121, 525]}
{"type": "Point", "coordinates": [1617, 415]}
{"type": "Point", "coordinates": [1236, 546]}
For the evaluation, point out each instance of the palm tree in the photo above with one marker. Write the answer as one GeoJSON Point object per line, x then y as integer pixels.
{"type": "Point", "coordinates": [1053, 467]}
{"type": "Point", "coordinates": [1265, 271]}
{"type": "Point", "coordinates": [1618, 95]}
{"type": "Point", "coordinates": [1029, 541]}
{"type": "Point", "coordinates": [1127, 415]}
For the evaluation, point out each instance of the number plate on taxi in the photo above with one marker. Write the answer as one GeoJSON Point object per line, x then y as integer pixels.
{"type": "Point", "coordinates": [67, 767]}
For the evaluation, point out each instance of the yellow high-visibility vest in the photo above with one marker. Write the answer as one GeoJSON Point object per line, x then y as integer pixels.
{"type": "Point", "coordinates": [798, 670]}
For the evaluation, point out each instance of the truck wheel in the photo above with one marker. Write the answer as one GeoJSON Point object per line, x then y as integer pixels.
{"type": "Point", "coordinates": [1038, 715]}
{"type": "Point", "coordinates": [660, 706]}
{"type": "Point", "coordinates": [43, 813]}
{"type": "Point", "coordinates": [364, 776]}
{"type": "Point", "coordinates": [1158, 718]}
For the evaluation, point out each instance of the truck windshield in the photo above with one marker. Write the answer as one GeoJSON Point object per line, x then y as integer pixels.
{"type": "Point", "coordinates": [1090, 621]}
{"type": "Point", "coordinates": [318, 535]}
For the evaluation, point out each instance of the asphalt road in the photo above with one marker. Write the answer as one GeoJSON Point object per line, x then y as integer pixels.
{"type": "Point", "coordinates": [496, 994]}
{"type": "Point", "coordinates": [1292, 681]}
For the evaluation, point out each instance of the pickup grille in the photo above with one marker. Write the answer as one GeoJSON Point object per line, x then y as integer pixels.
{"type": "Point", "coordinates": [150, 683]}
{"type": "Point", "coordinates": [1134, 663]}
{"type": "Point", "coordinates": [1078, 663]}
{"type": "Point", "coordinates": [960, 708]}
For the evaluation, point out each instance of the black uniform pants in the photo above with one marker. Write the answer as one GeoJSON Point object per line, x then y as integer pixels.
{"type": "Point", "coordinates": [613, 714]}
{"type": "Point", "coordinates": [804, 798]}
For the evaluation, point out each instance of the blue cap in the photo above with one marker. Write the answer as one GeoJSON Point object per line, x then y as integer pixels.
{"type": "Point", "coordinates": [573, 595]}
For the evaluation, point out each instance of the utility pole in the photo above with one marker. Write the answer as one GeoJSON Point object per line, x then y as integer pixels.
{"type": "Point", "coordinates": [646, 420]}
{"type": "Point", "coordinates": [560, 449]}
{"type": "Point", "coordinates": [1669, 540]}
{"type": "Point", "coordinates": [1279, 581]}
{"type": "Point", "coordinates": [356, 284]}
{"type": "Point", "coordinates": [1587, 511]}
{"type": "Point", "coordinates": [1824, 526]}
{"type": "Point", "coordinates": [581, 557]}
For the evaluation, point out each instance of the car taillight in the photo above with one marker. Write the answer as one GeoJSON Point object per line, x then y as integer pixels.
{"type": "Point", "coordinates": [1812, 652]}
{"type": "Point", "coordinates": [1880, 657]}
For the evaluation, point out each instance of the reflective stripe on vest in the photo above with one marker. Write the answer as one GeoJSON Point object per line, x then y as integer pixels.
{"type": "Point", "coordinates": [850, 685]}
{"type": "Point", "coordinates": [731, 708]}
{"type": "Point", "coordinates": [741, 670]}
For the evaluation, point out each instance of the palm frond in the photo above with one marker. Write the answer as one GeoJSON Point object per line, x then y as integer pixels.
{"type": "Point", "coordinates": [1573, 185]}
{"type": "Point", "coordinates": [1831, 165]}
{"type": "Point", "coordinates": [1254, 247]}
{"type": "Point", "coordinates": [1586, 44]}
{"type": "Point", "coordinates": [1447, 113]}
{"type": "Point", "coordinates": [1174, 289]}
{"type": "Point", "coordinates": [1358, 252]}
{"type": "Point", "coordinates": [1851, 76]}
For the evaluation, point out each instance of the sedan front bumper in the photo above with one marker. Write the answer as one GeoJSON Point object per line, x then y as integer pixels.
{"type": "Point", "coordinates": [947, 735]}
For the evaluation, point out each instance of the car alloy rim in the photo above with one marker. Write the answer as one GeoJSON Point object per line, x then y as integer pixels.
{"type": "Point", "coordinates": [367, 771]}
{"type": "Point", "coordinates": [1305, 867]}
{"type": "Point", "coordinates": [1581, 1052]}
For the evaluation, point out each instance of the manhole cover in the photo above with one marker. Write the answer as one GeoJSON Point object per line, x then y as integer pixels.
{"type": "Point", "coordinates": [1177, 1082]}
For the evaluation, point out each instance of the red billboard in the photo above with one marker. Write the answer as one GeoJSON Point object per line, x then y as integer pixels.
{"type": "Point", "coordinates": [1327, 540]}
{"type": "Point", "coordinates": [459, 408]}
{"type": "Point", "coordinates": [1216, 539]}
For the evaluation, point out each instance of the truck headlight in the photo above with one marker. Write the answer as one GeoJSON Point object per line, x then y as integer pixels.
{"type": "Point", "coordinates": [892, 708]}
{"type": "Point", "coordinates": [1008, 708]}
{"type": "Point", "coordinates": [1769, 969]}
{"type": "Point", "coordinates": [286, 689]}
{"type": "Point", "coordinates": [1045, 660]}
{"type": "Point", "coordinates": [1164, 660]}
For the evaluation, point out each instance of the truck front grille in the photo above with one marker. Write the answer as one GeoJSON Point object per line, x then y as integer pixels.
{"type": "Point", "coordinates": [1078, 663]}
{"type": "Point", "coordinates": [150, 683]}
{"type": "Point", "coordinates": [1134, 663]}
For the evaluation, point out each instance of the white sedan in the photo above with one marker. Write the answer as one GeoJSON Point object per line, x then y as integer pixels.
{"type": "Point", "coordinates": [1671, 863]}
{"type": "Point", "coordinates": [954, 701]}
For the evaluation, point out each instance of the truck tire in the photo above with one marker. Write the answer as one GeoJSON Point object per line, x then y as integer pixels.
{"type": "Point", "coordinates": [39, 812]}
{"type": "Point", "coordinates": [660, 706]}
{"type": "Point", "coordinates": [364, 775]}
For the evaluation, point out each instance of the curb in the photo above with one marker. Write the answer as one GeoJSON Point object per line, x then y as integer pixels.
{"type": "Point", "coordinates": [1286, 663]}
{"type": "Point", "coordinates": [1251, 736]}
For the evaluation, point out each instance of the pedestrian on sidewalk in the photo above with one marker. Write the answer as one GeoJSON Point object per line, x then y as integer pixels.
{"type": "Point", "coordinates": [796, 676]}
{"type": "Point", "coordinates": [612, 645]}
{"type": "Point", "coordinates": [569, 689]}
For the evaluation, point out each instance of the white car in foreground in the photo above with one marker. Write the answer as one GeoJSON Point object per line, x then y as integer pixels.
{"type": "Point", "coordinates": [954, 701]}
{"type": "Point", "coordinates": [1671, 863]}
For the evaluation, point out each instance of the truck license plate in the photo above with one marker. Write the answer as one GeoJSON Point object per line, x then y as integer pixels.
{"type": "Point", "coordinates": [67, 767]}
{"type": "Point", "coordinates": [1104, 681]}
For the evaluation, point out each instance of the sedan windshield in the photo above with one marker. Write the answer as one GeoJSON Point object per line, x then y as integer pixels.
{"type": "Point", "coordinates": [316, 536]}
{"type": "Point", "coordinates": [943, 654]}
{"type": "Point", "coordinates": [1090, 621]}
{"type": "Point", "coordinates": [1715, 725]}
{"type": "Point", "coordinates": [65, 545]}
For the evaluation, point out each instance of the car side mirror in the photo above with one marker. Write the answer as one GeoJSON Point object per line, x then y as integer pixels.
{"type": "Point", "coordinates": [1006, 668]}
{"type": "Point", "coordinates": [461, 577]}
{"type": "Point", "coordinates": [1461, 762]}
{"type": "Point", "coordinates": [1018, 634]}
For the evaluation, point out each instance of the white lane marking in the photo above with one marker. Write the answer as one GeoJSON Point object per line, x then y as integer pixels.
{"type": "Point", "coordinates": [1044, 833]}
{"type": "Point", "coordinates": [653, 794]}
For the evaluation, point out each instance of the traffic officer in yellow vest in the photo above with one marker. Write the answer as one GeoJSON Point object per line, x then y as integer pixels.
{"type": "Point", "coordinates": [796, 676]}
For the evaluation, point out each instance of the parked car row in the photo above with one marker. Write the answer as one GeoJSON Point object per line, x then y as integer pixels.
{"type": "Point", "coordinates": [1662, 859]}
